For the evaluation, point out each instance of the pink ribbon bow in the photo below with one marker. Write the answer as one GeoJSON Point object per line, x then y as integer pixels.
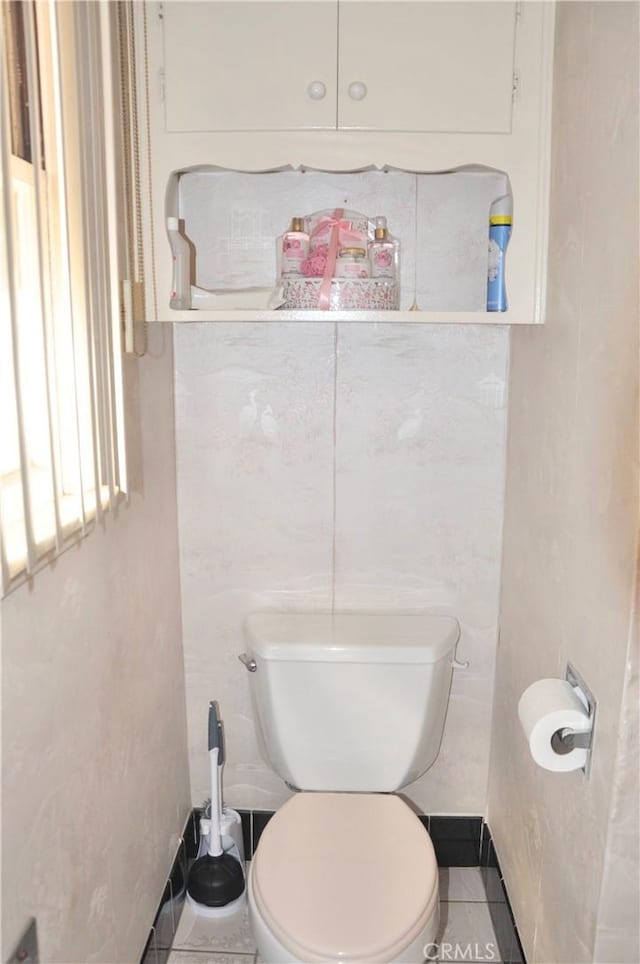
{"type": "Point", "coordinates": [340, 231]}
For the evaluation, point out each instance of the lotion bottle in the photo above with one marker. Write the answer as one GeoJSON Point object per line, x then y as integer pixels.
{"type": "Point", "coordinates": [500, 221]}
{"type": "Point", "coordinates": [295, 249]}
{"type": "Point", "coordinates": [382, 251]}
{"type": "Point", "coordinates": [181, 279]}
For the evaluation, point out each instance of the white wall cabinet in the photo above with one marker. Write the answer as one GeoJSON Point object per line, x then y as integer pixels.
{"type": "Point", "coordinates": [264, 66]}
{"type": "Point", "coordinates": [394, 66]}
{"type": "Point", "coordinates": [422, 86]}
{"type": "Point", "coordinates": [441, 67]}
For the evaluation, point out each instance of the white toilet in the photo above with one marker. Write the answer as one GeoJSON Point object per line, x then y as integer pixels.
{"type": "Point", "coordinates": [351, 707]}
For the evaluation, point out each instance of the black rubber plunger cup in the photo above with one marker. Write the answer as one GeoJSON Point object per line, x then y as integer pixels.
{"type": "Point", "coordinates": [216, 881]}
{"type": "Point", "coordinates": [217, 878]}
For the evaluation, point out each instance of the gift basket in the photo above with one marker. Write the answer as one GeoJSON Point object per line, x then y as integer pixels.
{"type": "Point", "coordinates": [339, 259]}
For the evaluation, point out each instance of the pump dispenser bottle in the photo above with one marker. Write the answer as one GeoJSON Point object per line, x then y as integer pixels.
{"type": "Point", "coordinates": [295, 248]}
{"type": "Point", "coordinates": [382, 251]}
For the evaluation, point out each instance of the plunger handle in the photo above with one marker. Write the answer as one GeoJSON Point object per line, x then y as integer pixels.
{"type": "Point", "coordinates": [215, 732]}
{"type": "Point", "coordinates": [215, 726]}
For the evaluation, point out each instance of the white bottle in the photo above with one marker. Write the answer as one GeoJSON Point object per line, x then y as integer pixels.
{"type": "Point", "coordinates": [181, 278]}
{"type": "Point", "coordinates": [382, 252]}
{"type": "Point", "coordinates": [295, 248]}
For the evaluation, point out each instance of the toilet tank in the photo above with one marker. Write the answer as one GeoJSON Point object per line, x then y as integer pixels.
{"type": "Point", "coordinates": [352, 702]}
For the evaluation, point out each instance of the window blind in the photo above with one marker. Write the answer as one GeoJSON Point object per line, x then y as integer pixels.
{"type": "Point", "coordinates": [61, 440]}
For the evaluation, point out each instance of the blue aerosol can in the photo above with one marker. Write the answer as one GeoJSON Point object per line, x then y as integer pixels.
{"type": "Point", "coordinates": [500, 221]}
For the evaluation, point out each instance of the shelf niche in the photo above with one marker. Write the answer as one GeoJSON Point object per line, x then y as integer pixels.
{"type": "Point", "coordinates": [231, 220]}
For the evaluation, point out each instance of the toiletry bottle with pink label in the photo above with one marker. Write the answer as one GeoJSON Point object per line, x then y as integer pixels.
{"type": "Point", "coordinates": [295, 249]}
{"type": "Point", "coordinates": [382, 252]}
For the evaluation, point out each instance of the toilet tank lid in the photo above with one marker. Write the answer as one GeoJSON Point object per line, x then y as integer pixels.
{"type": "Point", "coordinates": [352, 637]}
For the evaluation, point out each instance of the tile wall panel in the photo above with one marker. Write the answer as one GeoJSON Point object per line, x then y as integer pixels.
{"type": "Point", "coordinates": [420, 431]}
{"type": "Point", "coordinates": [408, 424]}
{"type": "Point", "coordinates": [254, 426]}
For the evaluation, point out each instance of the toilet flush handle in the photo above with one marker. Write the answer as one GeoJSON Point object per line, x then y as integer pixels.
{"type": "Point", "coordinates": [248, 662]}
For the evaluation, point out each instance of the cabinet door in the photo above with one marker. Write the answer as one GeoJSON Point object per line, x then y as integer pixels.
{"type": "Point", "coordinates": [242, 66]}
{"type": "Point", "coordinates": [434, 66]}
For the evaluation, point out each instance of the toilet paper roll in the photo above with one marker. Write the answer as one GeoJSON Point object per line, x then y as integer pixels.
{"type": "Point", "coordinates": [546, 706]}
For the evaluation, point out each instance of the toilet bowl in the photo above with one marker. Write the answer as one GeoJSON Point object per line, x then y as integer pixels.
{"type": "Point", "coordinates": [349, 708]}
{"type": "Point", "coordinates": [344, 877]}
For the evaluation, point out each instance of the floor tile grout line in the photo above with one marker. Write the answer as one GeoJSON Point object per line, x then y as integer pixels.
{"type": "Point", "coordinates": [468, 900]}
{"type": "Point", "coordinates": [213, 950]}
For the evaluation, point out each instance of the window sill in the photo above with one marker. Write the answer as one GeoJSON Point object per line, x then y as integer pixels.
{"type": "Point", "coordinates": [72, 529]}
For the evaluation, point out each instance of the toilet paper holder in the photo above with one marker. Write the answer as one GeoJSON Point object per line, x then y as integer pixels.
{"type": "Point", "coordinates": [565, 740]}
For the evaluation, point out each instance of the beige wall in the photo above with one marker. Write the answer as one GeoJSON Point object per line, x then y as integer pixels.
{"type": "Point", "coordinates": [618, 927]}
{"type": "Point", "coordinates": [95, 781]}
{"type": "Point", "coordinates": [572, 487]}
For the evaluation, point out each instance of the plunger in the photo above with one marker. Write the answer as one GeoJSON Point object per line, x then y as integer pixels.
{"type": "Point", "coordinates": [217, 878]}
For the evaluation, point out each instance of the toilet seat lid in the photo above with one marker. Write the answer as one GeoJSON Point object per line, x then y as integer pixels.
{"type": "Point", "coordinates": [342, 876]}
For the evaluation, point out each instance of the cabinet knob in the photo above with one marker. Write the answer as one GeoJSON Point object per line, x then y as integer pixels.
{"type": "Point", "coordinates": [316, 90]}
{"type": "Point", "coordinates": [357, 90]}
